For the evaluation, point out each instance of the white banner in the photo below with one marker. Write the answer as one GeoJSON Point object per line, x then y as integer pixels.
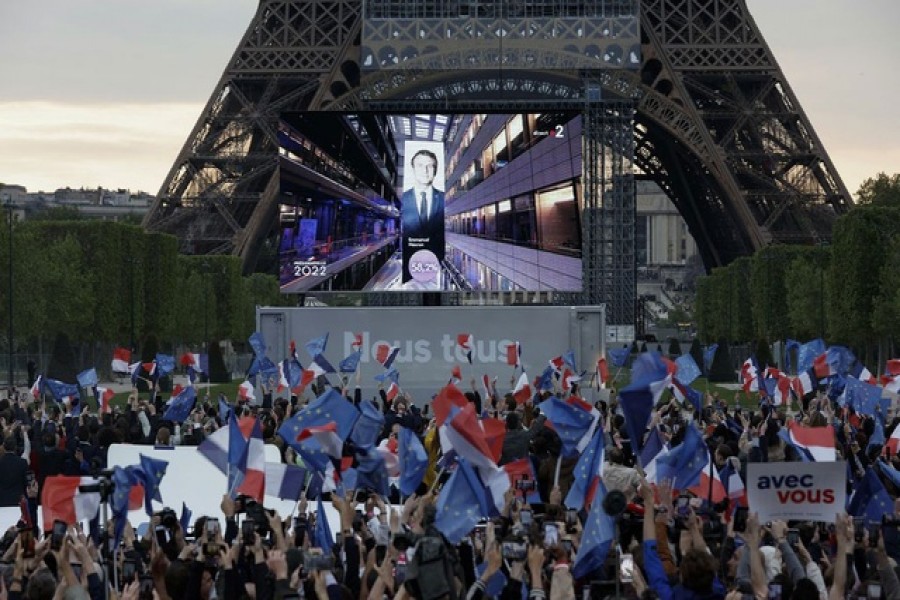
{"type": "Point", "coordinates": [812, 491]}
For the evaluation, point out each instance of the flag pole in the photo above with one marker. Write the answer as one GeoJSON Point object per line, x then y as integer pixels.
{"type": "Point", "coordinates": [556, 475]}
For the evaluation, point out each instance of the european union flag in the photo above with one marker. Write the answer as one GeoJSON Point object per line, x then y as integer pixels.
{"type": "Point", "coordinates": [569, 358]}
{"type": "Point", "coordinates": [599, 531]}
{"type": "Point", "coordinates": [619, 356]}
{"type": "Point", "coordinates": [877, 438]}
{"type": "Point", "coordinates": [708, 355]}
{"type": "Point", "coordinates": [684, 463]}
{"type": "Point", "coordinates": [60, 390]}
{"type": "Point", "coordinates": [330, 406]}
{"type": "Point", "coordinates": [389, 375]}
{"type": "Point", "coordinates": [316, 346]}
{"type": "Point", "coordinates": [413, 461]}
{"type": "Point", "coordinates": [637, 404]}
{"type": "Point", "coordinates": [688, 370]}
{"type": "Point", "coordinates": [807, 353]}
{"type": "Point", "coordinates": [123, 479]}
{"type": "Point", "coordinates": [369, 425]}
{"type": "Point", "coordinates": [892, 474]}
{"type": "Point", "coordinates": [587, 471]}
{"type": "Point", "coordinates": [322, 537]}
{"type": "Point", "coordinates": [165, 364]}
{"type": "Point", "coordinates": [88, 378]}
{"type": "Point", "coordinates": [371, 473]}
{"type": "Point", "coordinates": [862, 397]}
{"type": "Point", "coordinates": [185, 520]}
{"type": "Point", "coordinates": [351, 362]}
{"type": "Point", "coordinates": [181, 406]}
{"type": "Point", "coordinates": [870, 499]}
{"type": "Point", "coordinates": [545, 381]}
{"type": "Point", "coordinates": [461, 504]}
{"type": "Point", "coordinates": [225, 410]}
{"type": "Point", "coordinates": [570, 422]}
{"type": "Point", "coordinates": [258, 343]}
{"type": "Point", "coordinates": [150, 475]}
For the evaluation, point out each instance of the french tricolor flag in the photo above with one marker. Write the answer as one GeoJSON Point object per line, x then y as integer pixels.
{"type": "Point", "coordinates": [558, 363]}
{"type": "Point", "coordinates": [514, 354]}
{"type": "Point", "coordinates": [320, 366]}
{"type": "Point", "coordinates": [569, 379]}
{"type": "Point", "coordinates": [327, 437]}
{"type": "Point", "coordinates": [464, 340]}
{"type": "Point", "coordinates": [749, 376]}
{"type": "Point", "coordinates": [817, 442]}
{"type": "Point", "coordinates": [393, 391]}
{"type": "Point", "coordinates": [357, 341]}
{"type": "Point", "coordinates": [803, 384]}
{"type": "Point", "coordinates": [892, 445]}
{"type": "Point", "coordinates": [61, 500]}
{"type": "Point", "coordinates": [463, 433]}
{"type": "Point", "coordinates": [385, 354]}
{"type": "Point", "coordinates": [103, 396]}
{"type": "Point", "coordinates": [120, 360]}
{"type": "Point", "coordinates": [893, 367]}
{"type": "Point", "coordinates": [709, 487]}
{"type": "Point", "coordinates": [522, 392]}
{"type": "Point", "coordinates": [822, 367]}
{"type": "Point", "coordinates": [36, 387]}
{"type": "Point", "coordinates": [254, 481]}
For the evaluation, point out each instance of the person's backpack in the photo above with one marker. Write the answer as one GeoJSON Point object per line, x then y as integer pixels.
{"type": "Point", "coordinates": [432, 570]}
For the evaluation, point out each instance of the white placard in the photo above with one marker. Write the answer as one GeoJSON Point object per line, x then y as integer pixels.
{"type": "Point", "coordinates": [786, 491]}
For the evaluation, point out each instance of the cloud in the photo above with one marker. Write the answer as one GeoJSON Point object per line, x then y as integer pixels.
{"type": "Point", "coordinates": [46, 145]}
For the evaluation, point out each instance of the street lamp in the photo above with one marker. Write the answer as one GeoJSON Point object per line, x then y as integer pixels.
{"type": "Point", "coordinates": [12, 352]}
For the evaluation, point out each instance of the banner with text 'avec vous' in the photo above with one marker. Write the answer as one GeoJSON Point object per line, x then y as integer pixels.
{"type": "Point", "coordinates": [813, 491]}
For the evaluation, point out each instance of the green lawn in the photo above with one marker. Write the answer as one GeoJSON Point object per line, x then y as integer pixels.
{"type": "Point", "coordinates": [229, 389]}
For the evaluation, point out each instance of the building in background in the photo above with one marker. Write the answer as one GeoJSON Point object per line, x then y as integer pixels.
{"type": "Point", "coordinates": [90, 203]}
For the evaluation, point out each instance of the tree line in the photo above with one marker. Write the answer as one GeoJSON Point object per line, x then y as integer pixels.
{"type": "Point", "coordinates": [847, 292]}
{"type": "Point", "coordinates": [107, 284]}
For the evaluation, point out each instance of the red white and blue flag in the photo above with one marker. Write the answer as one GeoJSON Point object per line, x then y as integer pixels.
{"type": "Point", "coordinates": [120, 360]}
{"type": "Point", "coordinates": [385, 354]}
{"type": "Point", "coordinates": [465, 341]}
{"type": "Point", "coordinates": [514, 354]}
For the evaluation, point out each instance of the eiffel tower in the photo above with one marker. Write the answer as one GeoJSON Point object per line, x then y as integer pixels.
{"type": "Point", "coordinates": [708, 113]}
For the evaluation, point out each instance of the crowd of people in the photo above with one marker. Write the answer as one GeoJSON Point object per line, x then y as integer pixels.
{"type": "Point", "coordinates": [667, 543]}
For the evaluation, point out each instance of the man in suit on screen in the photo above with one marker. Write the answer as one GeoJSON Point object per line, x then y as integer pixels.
{"type": "Point", "coordinates": [422, 219]}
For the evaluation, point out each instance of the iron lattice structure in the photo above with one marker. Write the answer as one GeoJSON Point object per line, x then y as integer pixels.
{"type": "Point", "coordinates": [716, 124]}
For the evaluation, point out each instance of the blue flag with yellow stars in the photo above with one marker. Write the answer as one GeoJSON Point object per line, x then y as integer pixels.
{"type": "Point", "coordinates": [165, 364]}
{"type": "Point", "coordinates": [330, 406]}
{"type": "Point", "coordinates": [123, 480]}
{"type": "Point", "coordinates": [413, 461]}
{"type": "Point", "coordinates": [870, 500]}
{"type": "Point", "coordinates": [599, 531]}
{"type": "Point", "coordinates": [684, 463]}
{"type": "Point", "coordinates": [151, 472]}
{"type": "Point", "coordinates": [570, 422]}
{"type": "Point", "coordinates": [322, 537]}
{"type": "Point", "coordinates": [181, 406]}
{"type": "Point", "coordinates": [463, 501]}
{"type": "Point", "coordinates": [587, 473]}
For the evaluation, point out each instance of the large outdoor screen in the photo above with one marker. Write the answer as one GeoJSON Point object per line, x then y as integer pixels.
{"type": "Point", "coordinates": [376, 201]}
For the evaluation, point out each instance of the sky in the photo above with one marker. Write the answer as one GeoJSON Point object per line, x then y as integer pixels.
{"type": "Point", "coordinates": [105, 92]}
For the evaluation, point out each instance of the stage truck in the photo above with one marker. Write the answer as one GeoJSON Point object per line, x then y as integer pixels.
{"type": "Point", "coordinates": [427, 338]}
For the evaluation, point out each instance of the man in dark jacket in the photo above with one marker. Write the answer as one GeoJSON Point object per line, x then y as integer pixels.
{"type": "Point", "coordinates": [13, 470]}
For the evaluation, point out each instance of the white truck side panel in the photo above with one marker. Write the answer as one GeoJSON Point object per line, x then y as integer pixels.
{"type": "Point", "coordinates": [427, 340]}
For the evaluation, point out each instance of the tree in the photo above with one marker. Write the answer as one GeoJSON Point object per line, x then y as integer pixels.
{"type": "Point", "coordinates": [721, 369]}
{"type": "Point", "coordinates": [763, 354]}
{"type": "Point", "coordinates": [218, 373]}
{"type": "Point", "coordinates": [807, 293]}
{"type": "Point", "coordinates": [696, 352]}
{"type": "Point", "coordinates": [62, 362]}
{"type": "Point", "coordinates": [674, 347]}
{"type": "Point", "coordinates": [881, 190]}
